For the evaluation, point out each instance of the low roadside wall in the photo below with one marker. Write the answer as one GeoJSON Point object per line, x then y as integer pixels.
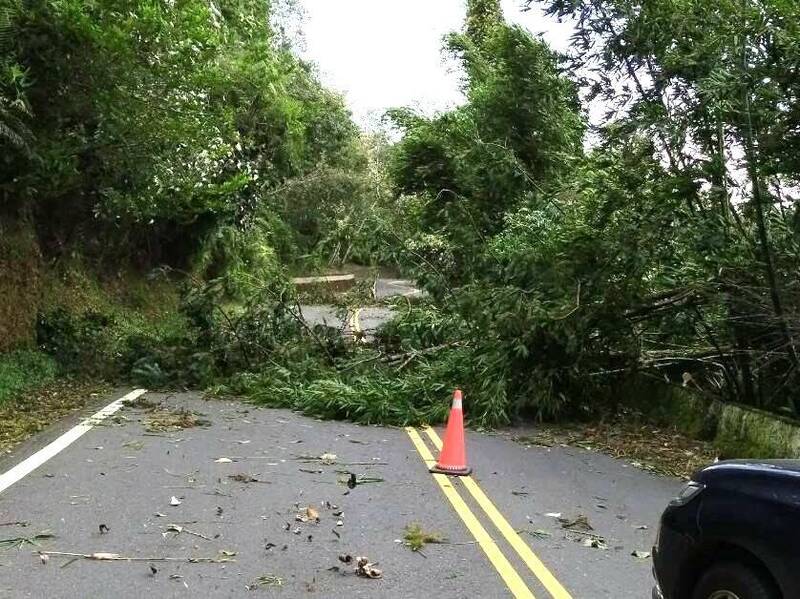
{"type": "Point", "coordinates": [737, 431]}
{"type": "Point", "coordinates": [326, 283]}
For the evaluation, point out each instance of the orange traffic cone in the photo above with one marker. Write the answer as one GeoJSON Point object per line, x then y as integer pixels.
{"type": "Point", "coordinates": [453, 458]}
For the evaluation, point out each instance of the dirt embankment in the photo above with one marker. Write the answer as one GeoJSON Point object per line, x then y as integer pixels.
{"type": "Point", "coordinates": [20, 284]}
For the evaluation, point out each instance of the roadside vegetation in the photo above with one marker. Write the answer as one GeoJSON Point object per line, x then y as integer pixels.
{"type": "Point", "coordinates": [165, 170]}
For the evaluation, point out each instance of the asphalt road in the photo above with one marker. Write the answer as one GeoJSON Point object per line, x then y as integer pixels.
{"type": "Point", "coordinates": [119, 475]}
{"type": "Point", "coordinates": [367, 319]}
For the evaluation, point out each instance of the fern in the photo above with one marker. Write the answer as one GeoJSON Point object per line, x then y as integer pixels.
{"type": "Point", "coordinates": [13, 131]}
{"type": "Point", "coordinates": [13, 108]}
{"type": "Point", "coordinates": [6, 29]}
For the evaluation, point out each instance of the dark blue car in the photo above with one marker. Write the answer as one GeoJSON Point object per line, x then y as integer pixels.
{"type": "Point", "coordinates": [732, 533]}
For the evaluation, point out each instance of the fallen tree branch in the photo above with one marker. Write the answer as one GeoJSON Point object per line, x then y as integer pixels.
{"type": "Point", "coordinates": [410, 355]}
{"type": "Point", "coordinates": [675, 299]}
{"type": "Point", "coordinates": [420, 352]}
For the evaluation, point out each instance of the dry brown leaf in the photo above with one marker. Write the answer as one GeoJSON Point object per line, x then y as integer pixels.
{"type": "Point", "coordinates": [366, 568]}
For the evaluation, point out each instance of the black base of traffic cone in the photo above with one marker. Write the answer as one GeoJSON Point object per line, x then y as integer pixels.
{"type": "Point", "coordinates": [466, 471]}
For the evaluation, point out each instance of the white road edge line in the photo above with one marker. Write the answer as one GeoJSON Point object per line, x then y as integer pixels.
{"type": "Point", "coordinates": [30, 464]}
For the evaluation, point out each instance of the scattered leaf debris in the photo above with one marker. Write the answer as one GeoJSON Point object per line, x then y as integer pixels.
{"type": "Point", "coordinates": [366, 568]}
{"type": "Point", "coordinates": [242, 477]}
{"type": "Point", "coordinates": [177, 529]}
{"type": "Point", "coordinates": [142, 403]}
{"type": "Point", "coordinates": [135, 445]}
{"type": "Point", "coordinates": [538, 533]}
{"type": "Point", "coordinates": [595, 542]}
{"type": "Point", "coordinates": [579, 524]}
{"type": "Point", "coordinates": [328, 458]}
{"type": "Point", "coordinates": [267, 580]}
{"type": "Point", "coordinates": [363, 567]}
{"type": "Point", "coordinates": [31, 412]}
{"type": "Point", "coordinates": [353, 480]}
{"type": "Point", "coordinates": [164, 420]}
{"type": "Point", "coordinates": [310, 471]}
{"type": "Point", "coordinates": [629, 436]}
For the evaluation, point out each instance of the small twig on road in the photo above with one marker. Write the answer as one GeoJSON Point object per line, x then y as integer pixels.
{"type": "Point", "coordinates": [217, 492]}
{"type": "Point", "coordinates": [115, 557]}
{"type": "Point", "coordinates": [445, 542]}
{"type": "Point", "coordinates": [585, 533]}
{"type": "Point", "coordinates": [179, 529]}
{"type": "Point", "coordinates": [179, 475]}
{"type": "Point", "coordinates": [314, 460]}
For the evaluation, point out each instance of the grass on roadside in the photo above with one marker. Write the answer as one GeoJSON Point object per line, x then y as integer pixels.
{"type": "Point", "coordinates": [24, 370]}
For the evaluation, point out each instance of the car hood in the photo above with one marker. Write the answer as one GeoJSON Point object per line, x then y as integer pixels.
{"type": "Point", "coordinates": [787, 468]}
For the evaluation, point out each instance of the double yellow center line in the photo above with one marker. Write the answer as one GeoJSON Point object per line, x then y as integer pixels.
{"type": "Point", "coordinates": [510, 576]}
{"type": "Point", "coordinates": [354, 323]}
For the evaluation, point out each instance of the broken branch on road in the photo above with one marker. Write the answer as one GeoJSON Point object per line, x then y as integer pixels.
{"type": "Point", "coordinates": [115, 557]}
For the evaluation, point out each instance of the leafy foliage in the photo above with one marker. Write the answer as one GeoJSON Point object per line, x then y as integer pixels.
{"type": "Point", "coordinates": [159, 128]}
{"type": "Point", "coordinates": [664, 249]}
{"type": "Point", "coordinates": [24, 370]}
{"type": "Point", "coordinates": [553, 267]}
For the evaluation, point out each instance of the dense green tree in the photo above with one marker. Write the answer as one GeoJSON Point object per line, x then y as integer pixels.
{"type": "Point", "coordinates": [152, 125]}
{"type": "Point", "coordinates": [483, 16]}
{"type": "Point", "coordinates": [714, 85]}
{"type": "Point", "coordinates": [473, 165]}
{"type": "Point", "coordinates": [670, 246]}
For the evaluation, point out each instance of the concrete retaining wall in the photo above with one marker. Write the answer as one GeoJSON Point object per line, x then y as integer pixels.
{"type": "Point", "coordinates": [736, 431]}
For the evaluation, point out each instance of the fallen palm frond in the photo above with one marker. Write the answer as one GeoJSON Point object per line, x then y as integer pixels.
{"type": "Point", "coordinates": [20, 542]}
